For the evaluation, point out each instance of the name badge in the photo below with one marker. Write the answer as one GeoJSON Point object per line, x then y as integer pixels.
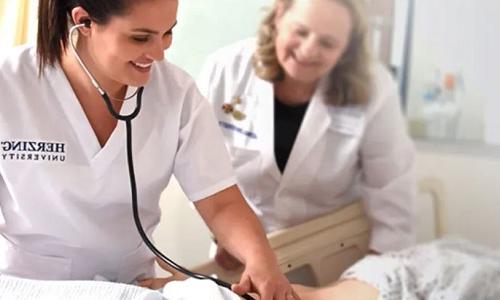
{"type": "Point", "coordinates": [349, 121]}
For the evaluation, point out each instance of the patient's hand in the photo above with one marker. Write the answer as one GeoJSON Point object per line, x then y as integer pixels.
{"type": "Point", "coordinates": [226, 260]}
{"type": "Point", "coordinates": [158, 283]}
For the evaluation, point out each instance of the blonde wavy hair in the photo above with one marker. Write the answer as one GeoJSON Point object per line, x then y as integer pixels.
{"type": "Point", "coordinates": [349, 80]}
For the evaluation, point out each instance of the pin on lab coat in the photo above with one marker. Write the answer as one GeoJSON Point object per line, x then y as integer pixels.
{"type": "Point", "coordinates": [339, 155]}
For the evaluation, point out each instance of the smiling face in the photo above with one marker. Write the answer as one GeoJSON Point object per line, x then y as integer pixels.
{"type": "Point", "coordinates": [123, 49]}
{"type": "Point", "coordinates": [311, 38]}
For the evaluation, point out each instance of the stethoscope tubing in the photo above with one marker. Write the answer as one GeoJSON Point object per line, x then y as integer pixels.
{"type": "Point", "coordinates": [130, 163]}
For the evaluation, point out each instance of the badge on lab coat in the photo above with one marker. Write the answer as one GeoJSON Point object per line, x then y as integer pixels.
{"type": "Point", "coordinates": [347, 120]}
{"type": "Point", "coordinates": [233, 109]}
{"type": "Point", "coordinates": [239, 118]}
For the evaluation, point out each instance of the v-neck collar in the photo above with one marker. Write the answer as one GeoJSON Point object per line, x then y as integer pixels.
{"type": "Point", "coordinates": [100, 156]}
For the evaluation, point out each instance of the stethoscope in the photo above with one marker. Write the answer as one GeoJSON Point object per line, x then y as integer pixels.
{"type": "Point", "coordinates": [133, 186]}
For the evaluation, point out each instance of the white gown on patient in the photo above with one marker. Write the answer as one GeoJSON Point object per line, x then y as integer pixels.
{"type": "Point", "coordinates": [442, 270]}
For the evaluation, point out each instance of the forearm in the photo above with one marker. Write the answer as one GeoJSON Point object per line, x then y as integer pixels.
{"type": "Point", "coordinates": [235, 225]}
{"type": "Point", "coordinates": [239, 231]}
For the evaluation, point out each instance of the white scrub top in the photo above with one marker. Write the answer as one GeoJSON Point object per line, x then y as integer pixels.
{"type": "Point", "coordinates": [340, 153]}
{"type": "Point", "coordinates": [65, 204]}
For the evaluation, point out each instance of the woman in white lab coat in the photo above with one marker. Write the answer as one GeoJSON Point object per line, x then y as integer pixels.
{"type": "Point", "coordinates": [312, 123]}
{"type": "Point", "coordinates": [65, 208]}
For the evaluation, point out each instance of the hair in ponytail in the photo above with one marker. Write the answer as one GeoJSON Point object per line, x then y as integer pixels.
{"type": "Point", "coordinates": [52, 32]}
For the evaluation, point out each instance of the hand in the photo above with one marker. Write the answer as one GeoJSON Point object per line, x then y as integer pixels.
{"type": "Point", "coordinates": [226, 260]}
{"type": "Point", "coordinates": [158, 283]}
{"type": "Point", "coordinates": [176, 275]}
{"type": "Point", "coordinates": [267, 280]}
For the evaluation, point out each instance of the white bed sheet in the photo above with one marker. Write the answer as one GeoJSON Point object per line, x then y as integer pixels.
{"type": "Point", "coordinates": [13, 288]}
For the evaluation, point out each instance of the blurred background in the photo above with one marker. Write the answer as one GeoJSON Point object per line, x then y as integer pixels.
{"type": "Point", "coordinates": [444, 55]}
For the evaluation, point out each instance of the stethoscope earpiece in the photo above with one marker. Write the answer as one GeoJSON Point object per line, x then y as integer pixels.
{"type": "Point", "coordinates": [86, 23]}
{"type": "Point", "coordinates": [130, 161]}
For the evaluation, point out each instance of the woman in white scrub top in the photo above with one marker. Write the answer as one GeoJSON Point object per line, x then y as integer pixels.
{"type": "Point", "coordinates": [65, 204]}
{"type": "Point", "coordinates": [312, 123]}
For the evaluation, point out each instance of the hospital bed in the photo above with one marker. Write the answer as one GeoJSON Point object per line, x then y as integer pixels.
{"type": "Point", "coordinates": [316, 253]}
{"type": "Point", "coordinates": [322, 248]}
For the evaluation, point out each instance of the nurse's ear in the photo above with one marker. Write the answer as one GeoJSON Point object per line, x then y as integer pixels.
{"type": "Point", "coordinates": [80, 16]}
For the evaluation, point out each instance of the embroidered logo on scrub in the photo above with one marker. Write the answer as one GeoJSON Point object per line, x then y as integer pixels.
{"type": "Point", "coordinates": [16, 150]}
{"type": "Point", "coordinates": [230, 108]}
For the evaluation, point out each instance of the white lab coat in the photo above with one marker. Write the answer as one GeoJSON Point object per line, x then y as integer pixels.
{"type": "Point", "coordinates": [65, 205]}
{"type": "Point", "coordinates": [340, 153]}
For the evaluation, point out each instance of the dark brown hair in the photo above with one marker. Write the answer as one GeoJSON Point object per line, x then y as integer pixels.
{"type": "Point", "coordinates": [54, 20]}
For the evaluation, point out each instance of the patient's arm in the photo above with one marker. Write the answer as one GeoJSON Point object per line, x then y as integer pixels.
{"type": "Point", "coordinates": [341, 290]}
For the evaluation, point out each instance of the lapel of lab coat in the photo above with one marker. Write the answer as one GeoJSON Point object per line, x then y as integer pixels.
{"type": "Point", "coordinates": [314, 125]}
{"type": "Point", "coordinates": [316, 122]}
{"type": "Point", "coordinates": [266, 124]}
